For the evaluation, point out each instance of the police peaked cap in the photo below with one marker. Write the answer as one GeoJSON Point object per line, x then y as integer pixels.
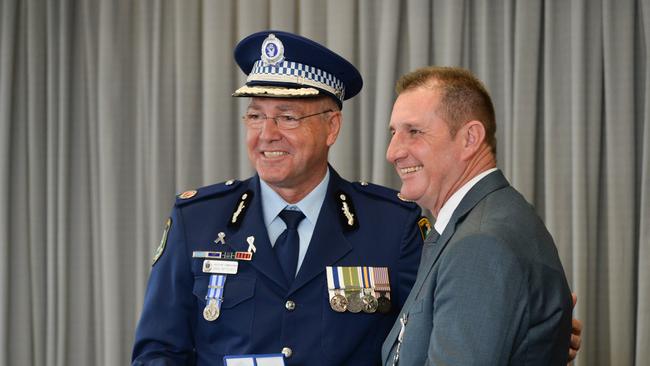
{"type": "Point", "coordinates": [281, 64]}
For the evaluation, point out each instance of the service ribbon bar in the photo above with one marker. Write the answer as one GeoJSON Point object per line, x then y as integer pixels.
{"type": "Point", "coordinates": [242, 256]}
{"type": "Point", "coordinates": [380, 276]}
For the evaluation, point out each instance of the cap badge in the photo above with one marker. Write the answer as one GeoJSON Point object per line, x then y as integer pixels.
{"type": "Point", "coordinates": [272, 50]}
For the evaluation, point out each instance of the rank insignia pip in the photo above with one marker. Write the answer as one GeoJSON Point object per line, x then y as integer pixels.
{"type": "Point", "coordinates": [425, 227]}
{"type": "Point", "coordinates": [163, 241]}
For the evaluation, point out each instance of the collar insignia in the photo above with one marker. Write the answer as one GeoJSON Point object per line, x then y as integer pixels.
{"type": "Point", "coordinates": [348, 215]}
{"type": "Point", "coordinates": [239, 211]}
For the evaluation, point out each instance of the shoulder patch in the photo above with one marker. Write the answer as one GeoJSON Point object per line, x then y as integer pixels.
{"type": "Point", "coordinates": [163, 241]}
{"type": "Point", "coordinates": [382, 192]}
{"type": "Point", "coordinates": [194, 195]}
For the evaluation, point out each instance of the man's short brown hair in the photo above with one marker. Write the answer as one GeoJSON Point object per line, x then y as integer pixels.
{"type": "Point", "coordinates": [463, 97]}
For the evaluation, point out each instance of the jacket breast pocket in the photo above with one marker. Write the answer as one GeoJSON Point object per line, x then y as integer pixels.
{"type": "Point", "coordinates": [234, 324]}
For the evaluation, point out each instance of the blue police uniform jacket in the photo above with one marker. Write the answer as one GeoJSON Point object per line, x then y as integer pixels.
{"type": "Point", "coordinates": [254, 316]}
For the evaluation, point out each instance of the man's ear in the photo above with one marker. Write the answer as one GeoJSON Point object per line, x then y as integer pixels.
{"type": "Point", "coordinates": [473, 136]}
{"type": "Point", "coordinates": [334, 124]}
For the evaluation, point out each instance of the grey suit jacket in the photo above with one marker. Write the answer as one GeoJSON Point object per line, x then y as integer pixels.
{"type": "Point", "coordinates": [489, 291]}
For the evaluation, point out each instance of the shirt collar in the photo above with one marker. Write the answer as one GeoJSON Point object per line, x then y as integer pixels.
{"type": "Point", "coordinates": [452, 203]}
{"type": "Point", "coordinates": [310, 206]}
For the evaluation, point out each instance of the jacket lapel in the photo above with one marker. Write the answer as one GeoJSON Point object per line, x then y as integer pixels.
{"type": "Point", "coordinates": [433, 246]}
{"type": "Point", "coordinates": [328, 243]}
{"type": "Point", "coordinates": [264, 259]}
{"type": "Point", "coordinates": [432, 249]}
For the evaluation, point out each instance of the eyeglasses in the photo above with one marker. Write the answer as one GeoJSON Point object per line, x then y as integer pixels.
{"type": "Point", "coordinates": [284, 121]}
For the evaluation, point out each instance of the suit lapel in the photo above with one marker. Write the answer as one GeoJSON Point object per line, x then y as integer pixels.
{"type": "Point", "coordinates": [432, 249]}
{"type": "Point", "coordinates": [328, 243]}
{"type": "Point", "coordinates": [264, 259]}
{"type": "Point", "coordinates": [433, 246]}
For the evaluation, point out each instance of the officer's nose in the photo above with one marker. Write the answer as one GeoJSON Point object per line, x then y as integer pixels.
{"type": "Point", "coordinates": [270, 130]}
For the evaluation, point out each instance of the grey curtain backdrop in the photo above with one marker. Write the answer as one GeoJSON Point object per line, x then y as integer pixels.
{"type": "Point", "coordinates": [109, 108]}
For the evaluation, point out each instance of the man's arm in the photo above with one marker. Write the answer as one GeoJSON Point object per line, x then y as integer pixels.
{"type": "Point", "coordinates": [576, 331]}
{"type": "Point", "coordinates": [164, 332]}
{"type": "Point", "coordinates": [481, 309]}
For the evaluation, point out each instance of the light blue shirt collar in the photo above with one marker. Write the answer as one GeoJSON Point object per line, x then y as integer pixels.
{"type": "Point", "coordinates": [310, 206]}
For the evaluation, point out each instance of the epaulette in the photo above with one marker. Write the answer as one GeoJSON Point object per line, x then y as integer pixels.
{"type": "Point", "coordinates": [383, 192]}
{"type": "Point", "coordinates": [194, 195]}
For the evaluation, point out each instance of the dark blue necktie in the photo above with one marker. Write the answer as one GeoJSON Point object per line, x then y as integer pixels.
{"type": "Point", "coordinates": [287, 244]}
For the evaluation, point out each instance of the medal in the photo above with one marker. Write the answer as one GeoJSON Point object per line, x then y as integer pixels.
{"type": "Point", "coordinates": [369, 302]}
{"type": "Point", "coordinates": [354, 302]}
{"type": "Point", "coordinates": [383, 304]}
{"type": "Point", "coordinates": [211, 310]}
{"type": "Point", "coordinates": [214, 297]}
{"type": "Point", "coordinates": [381, 284]}
{"type": "Point", "coordinates": [352, 286]}
{"type": "Point", "coordinates": [339, 303]}
{"type": "Point", "coordinates": [357, 289]}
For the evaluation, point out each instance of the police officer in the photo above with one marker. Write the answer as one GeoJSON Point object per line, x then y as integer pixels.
{"type": "Point", "coordinates": [295, 260]}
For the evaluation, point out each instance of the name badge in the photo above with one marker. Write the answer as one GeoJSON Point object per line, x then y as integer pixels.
{"type": "Point", "coordinates": [220, 267]}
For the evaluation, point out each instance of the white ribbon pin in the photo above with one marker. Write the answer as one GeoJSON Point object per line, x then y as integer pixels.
{"type": "Point", "coordinates": [251, 246]}
{"type": "Point", "coordinates": [221, 238]}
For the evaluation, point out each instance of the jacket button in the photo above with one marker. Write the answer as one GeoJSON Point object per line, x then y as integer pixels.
{"type": "Point", "coordinates": [287, 352]}
{"type": "Point", "coordinates": [290, 305]}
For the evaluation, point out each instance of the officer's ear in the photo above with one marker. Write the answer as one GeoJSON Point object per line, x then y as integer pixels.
{"type": "Point", "coordinates": [333, 119]}
{"type": "Point", "coordinates": [334, 126]}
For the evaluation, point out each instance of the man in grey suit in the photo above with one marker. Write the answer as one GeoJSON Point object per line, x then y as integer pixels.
{"type": "Point", "coordinates": [490, 288]}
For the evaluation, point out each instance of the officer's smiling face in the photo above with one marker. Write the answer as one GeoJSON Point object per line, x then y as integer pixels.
{"type": "Point", "coordinates": [422, 150]}
{"type": "Point", "coordinates": [292, 161]}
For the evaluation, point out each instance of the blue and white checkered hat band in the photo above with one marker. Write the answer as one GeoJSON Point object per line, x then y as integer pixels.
{"type": "Point", "coordinates": [297, 73]}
